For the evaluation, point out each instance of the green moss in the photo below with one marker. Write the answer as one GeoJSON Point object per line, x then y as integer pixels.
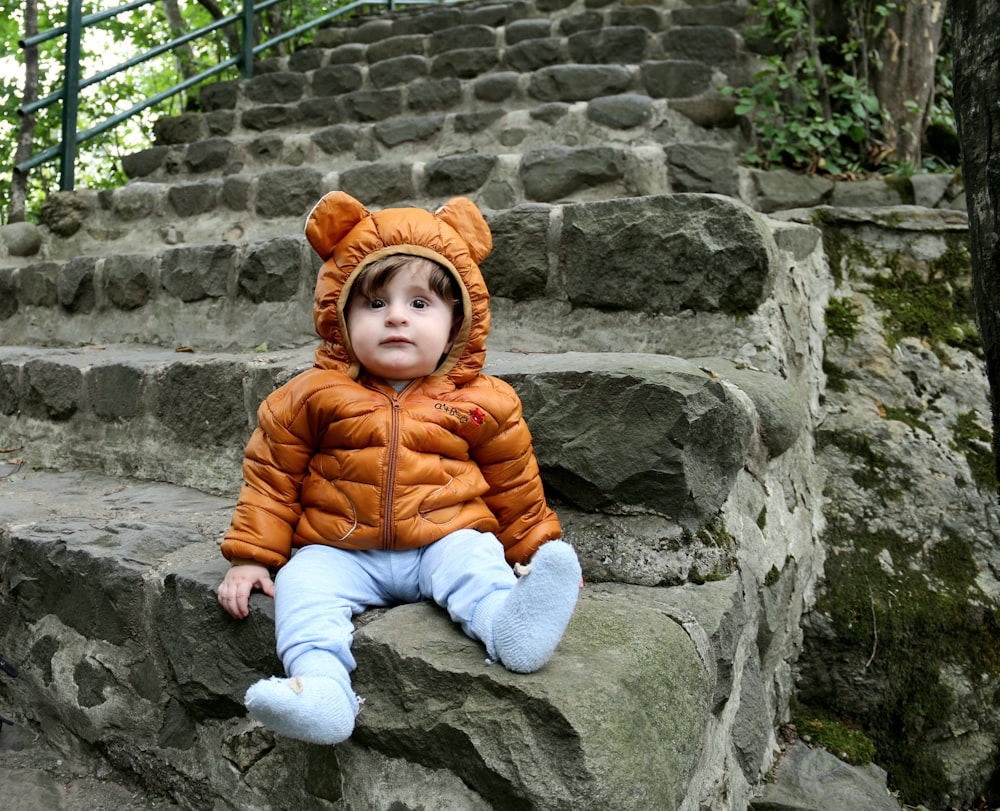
{"type": "Point", "coordinates": [714, 533]}
{"type": "Point", "coordinates": [762, 518]}
{"type": "Point", "coordinates": [699, 579]}
{"type": "Point", "coordinates": [873, 471]}
{"type": "Point", "coordinates": [975, 443]}
{"type": "Point", "coordinates": [836, 376]}
{"type": "Point", "coordinates": [772, 577]}
{"type": "Point", "coordinates": [938, 308]}
{"type": "Point", "coordinates": [903, 623]}
{"type": "Point", "coordinates": [842, 318]}
{"type": "Point", "coordinates": [846, 255]}
{"type": "Point", "coordinates": [909, 417]}
{"type": "Point", "coordinates": [842, 739]}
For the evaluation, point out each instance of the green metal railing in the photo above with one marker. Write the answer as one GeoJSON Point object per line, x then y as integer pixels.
{"type": "Point", "coordinates": [69, 93]}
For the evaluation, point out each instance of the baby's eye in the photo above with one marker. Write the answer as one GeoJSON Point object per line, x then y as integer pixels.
{"type": "Point", "coordinates": [419, 303]}
{"type": "Point", "coordinates": [376, 303]}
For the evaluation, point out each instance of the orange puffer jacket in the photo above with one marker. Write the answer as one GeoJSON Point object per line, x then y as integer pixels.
{"type": "Point", "coordinates": [340, 458]}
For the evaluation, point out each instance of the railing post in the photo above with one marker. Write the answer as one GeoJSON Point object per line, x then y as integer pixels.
{"type": "Point", "coordinates": [246, 58]}
{"type": "Point", "coordinates": [71, 94]}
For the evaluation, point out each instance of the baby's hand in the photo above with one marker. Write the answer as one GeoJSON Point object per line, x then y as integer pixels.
{"type": "Point", "coordinates": [234, 591]}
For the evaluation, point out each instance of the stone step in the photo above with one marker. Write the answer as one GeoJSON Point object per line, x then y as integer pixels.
{"type": "Point", "coordinates": [148, 673]}
{"type": "Point", "coordinates": [475, 138]}
{"type": "Point", "coordinates": [631, 274]}
{"type": "Point", "coordinates": [273, 202]}
{"type": "Point", "coordinates": [185, 418]}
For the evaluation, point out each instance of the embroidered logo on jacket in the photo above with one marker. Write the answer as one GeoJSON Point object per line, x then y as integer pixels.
{"type": "Point", "coordinates": [467, 422]}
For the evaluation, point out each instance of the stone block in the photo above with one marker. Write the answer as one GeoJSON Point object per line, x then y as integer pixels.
{"type": "Point", "coordinates": [462, 37]}
{"type": "Point", "coordinates": [583, 21]}
{"type": "Point", "coordinates": [496, 87]}
{"type": "Point", "coordinates": [305, 60]}
{"type": "Point", "coordinates": [270, 117]}
{"type": "Point", "coordinates": [556, 172]}
{"type": "Point", "coordinates": [64, 212]}
{"type": "Point", "coordinates": [615, 654]}
{"type": "Point", "coordinates": [518, 267]}
{"type": "Point", "coordinates": [75, 284]}
{"type": "Point", "coordinates": [288, 192]}
{"type": "Point", "coordinates": [372, 31]}
{"type": "Point", "coordinates": [10, 388]}
{"type": "Point", "coordinates": [398, 131]}
{"type": "Point", "coordinates": [776, 190]}
{"type": "Point", "coordinates": [640, 433]}
{"type": "Point", "coordinates": [534, 54]}
{"type": "Point", "coordinates": [476, 121]}
{"type": "Point", "coordinates": [347, 53]}
{"type": "Point", "coordinates": [578, 82]}
{"type": "Point", "coordinates": [128, 280]}
{"type": "Point", "coordinates": [39, 285]}
{"type": "Point", "coordinates": [192, 199]}
{"type": "Point", "coordinates": [192, 273]}
{"type": "Point", "coordinates": [209, 155]}
{"type": "Point", "coordinates": [520, 30]}
{"type": "Point", "coordinates": [465, 63]}
{"type": "Point", "coordinates": [219, 95]}
{"type": "Point", "coordinates": [271, 270]}
{"type": "Point", "coordinates": [435, 94]}
{"type": "Point", "coordinates": [398, 70]}
{"type": "Point", "coordinates": [336, 139]}
{"type": "Point", "coordinates": [675, 78]}
{"type": "Point", "coordinates": [201, 403]}
{"type": "Point", "coordinates": [648, 17]}
{"type": "Point", "coordinates": [395, 47]}
{"type": "Point", "coordinates": [136, 201]}
{"type": "Point", "coordinates": [460, 174]}
{"type": "Point", "coordinates": [709, 113]}
{"type": "Point", "coordinates": [275, 88]}
{"type": "Point", "coordinates": [612, 45]}
{"type": "Point", "coordinates": [379, 183]}
{"type": "Point", "coordinates": [52, 390]}
{"type": "Point", "coordinates": [114, 391]}
{"type": "Point", "coordinates": [374, 105]}
{"type": "Point", "coordinates": [429, 21]}
{"type": "Point", "coordinates": [8, 293]}
{"type": "Point", "coordinates": [667, 254]}
{"type": "Point", "coordinates": [622, 112]}
{"type": "Point", "coordinates": [181, 129]}
{"type": "Point", "coordinates": [145, 161]}
{"type": "Point", "coordinates": [336, 79]}
{"type": "Point", "coordinates": [703, 168]}
{"type": "Point", "coordinates": [220, 122]}
{"type": "Point", "coordinates": [711, 44]}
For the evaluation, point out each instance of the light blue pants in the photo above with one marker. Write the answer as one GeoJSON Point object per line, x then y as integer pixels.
{"type": "Point", "coordinates": [321, 588]}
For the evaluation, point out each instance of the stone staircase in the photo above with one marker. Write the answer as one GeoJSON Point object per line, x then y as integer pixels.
{"type": "Point", "coordinates": [665, 337]}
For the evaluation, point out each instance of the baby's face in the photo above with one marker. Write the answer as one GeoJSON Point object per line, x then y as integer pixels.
{"type": "Point", "coordinates": [402, 331]}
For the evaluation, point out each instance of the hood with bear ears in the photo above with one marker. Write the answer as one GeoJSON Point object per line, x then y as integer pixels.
{"type": "Point", "coordinates": [347, 237]}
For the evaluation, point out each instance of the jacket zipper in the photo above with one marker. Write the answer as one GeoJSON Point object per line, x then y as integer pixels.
{"type": "Point", "coordinates": [388, 514]}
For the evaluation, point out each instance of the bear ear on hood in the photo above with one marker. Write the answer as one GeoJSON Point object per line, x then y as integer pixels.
{"type": "Point", "coordinates": [330, 221]}
{"type": "Point", "coordinates": [465, 217]}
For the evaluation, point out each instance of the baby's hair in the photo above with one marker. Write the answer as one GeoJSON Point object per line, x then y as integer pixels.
{"type": "Point", "coordinates": [379, 273]}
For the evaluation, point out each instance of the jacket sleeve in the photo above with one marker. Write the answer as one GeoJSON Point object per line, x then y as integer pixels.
{"type": "Point", "coordinates": [274, 465]}
{"type": "Point", "coordinates": [516, 496]}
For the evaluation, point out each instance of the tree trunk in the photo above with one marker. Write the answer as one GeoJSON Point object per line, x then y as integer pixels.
{"type": "Point", "coordinates": [26, 129]}
{"type": "Point", "coordinates": [229, 31]}
{"type": "Point", "coordinates": [184, 54]}
{"type": "Point", "coordinates": [904, 83]}
{"type": "Point", "coordinates": [977, 110]}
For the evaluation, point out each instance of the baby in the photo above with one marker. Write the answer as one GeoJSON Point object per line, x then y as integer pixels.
{"type": "Point", "coordinates": [394, 468]}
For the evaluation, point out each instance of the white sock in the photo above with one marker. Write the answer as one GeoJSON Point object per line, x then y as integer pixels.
{"type": "Point", "coordinates": [315, 709]}
{"type": "Point", "coordinates": [530, 622]}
